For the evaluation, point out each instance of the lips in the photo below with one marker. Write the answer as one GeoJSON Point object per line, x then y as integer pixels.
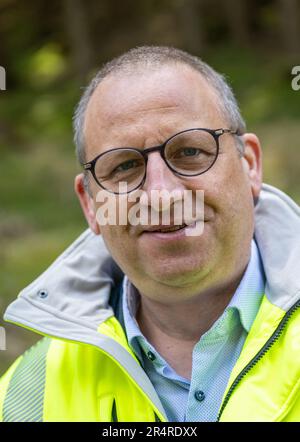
{"type": "Point", "coordinates": [167, 229]}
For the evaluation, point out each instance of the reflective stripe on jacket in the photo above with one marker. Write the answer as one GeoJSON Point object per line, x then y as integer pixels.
{"type": "Point", "coordinates": [83, 369]}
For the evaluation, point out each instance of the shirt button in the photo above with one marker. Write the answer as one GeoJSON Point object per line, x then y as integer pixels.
{"type": "Point", "coordinates": [151, 356]}
{"type": "Point", "coordinates": [199, 395]}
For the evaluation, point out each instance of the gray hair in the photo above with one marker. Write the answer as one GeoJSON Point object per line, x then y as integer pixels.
{"type": "Point", "coordinates": [147, 57]}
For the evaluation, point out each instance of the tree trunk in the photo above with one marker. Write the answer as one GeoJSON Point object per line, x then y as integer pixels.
{"type": "Point", "coordinates": [189, 15]}
{"type": "Point", "coordinates": [289, 17]}
{"type": "Point", "coordinates": [77, 25]}
{"type": "Point", "coordinates": [236, 17]}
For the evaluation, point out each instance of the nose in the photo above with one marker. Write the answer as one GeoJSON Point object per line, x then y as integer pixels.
{"type": "Point", "coordinates": [159, 176]}
{"type": "Point", "coordinates": [165, 202]}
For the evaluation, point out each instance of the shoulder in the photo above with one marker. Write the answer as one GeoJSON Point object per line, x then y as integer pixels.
{"type": "Point", "coordinates": [41, 372]}
{"type": "Point", "coordinates": [23, 383]}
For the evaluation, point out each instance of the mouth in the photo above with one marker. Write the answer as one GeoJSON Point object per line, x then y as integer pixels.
{"type": "Point", "coordinates": [168, 229]}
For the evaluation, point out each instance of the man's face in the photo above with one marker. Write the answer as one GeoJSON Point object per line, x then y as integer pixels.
{"type": "Point", "coordinates": [143, 110]}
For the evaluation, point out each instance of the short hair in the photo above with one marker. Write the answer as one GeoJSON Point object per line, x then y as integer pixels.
{"type": "Point", "coordinates": [147, 57]}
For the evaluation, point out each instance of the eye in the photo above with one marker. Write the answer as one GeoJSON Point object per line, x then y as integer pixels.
{"type": "Point", "coordinates": [189, 151]}
{"type": "Point", "coordinates": [127, 165]}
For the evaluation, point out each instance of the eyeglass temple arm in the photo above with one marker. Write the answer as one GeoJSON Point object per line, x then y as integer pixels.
{"type": "Point", "coordinates": [229, 131]}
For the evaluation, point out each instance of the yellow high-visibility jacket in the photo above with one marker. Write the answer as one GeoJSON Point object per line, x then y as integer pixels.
{"type": "Point", "coordinates": [83, 369]}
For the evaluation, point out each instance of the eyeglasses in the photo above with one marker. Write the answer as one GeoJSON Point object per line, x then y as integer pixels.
{"type": "Point", "coordinates": [188, 153]}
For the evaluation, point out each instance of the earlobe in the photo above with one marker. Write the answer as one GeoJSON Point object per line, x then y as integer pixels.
{"type": "Point", "coordinates": [87, 203]}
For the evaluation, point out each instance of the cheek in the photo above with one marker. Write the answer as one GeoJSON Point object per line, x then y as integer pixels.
{"type": "Point", "coordinates": [113, 236]}
{"type": "Point", "coordinates": [121, 246]}
{"type": "Point", "coordinates": [228, 193]}
{"type": "Point", "coordinates": [237, 209]}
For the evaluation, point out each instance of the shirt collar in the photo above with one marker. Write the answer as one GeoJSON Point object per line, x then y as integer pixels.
{"type": "Point", "coordinates": [248, 295]}
{"type": "Point", "coordinates": [130, 303]}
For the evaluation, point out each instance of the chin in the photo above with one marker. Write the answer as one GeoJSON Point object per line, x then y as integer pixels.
{"type": "Point", "coordinates": [177, 274]}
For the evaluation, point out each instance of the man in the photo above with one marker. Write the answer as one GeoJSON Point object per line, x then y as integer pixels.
{"type": "Point", "coordinates": [174, 327]}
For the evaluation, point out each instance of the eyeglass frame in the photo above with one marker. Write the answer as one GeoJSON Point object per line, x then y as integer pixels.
{"type": "Point", "coordinates": [216, 133]}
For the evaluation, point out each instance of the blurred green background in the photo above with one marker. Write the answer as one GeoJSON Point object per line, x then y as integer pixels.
{"type": "Point", "coordinates": [51, 49]}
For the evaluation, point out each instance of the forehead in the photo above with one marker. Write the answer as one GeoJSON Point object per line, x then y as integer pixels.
{"type": "Point", "coordinates": [168, 99]}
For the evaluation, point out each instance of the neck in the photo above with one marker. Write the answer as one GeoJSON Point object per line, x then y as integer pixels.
{"type": "Point", "coordinates": [188, 320]}
{"type": "Point", "coordinates": [174, 329]}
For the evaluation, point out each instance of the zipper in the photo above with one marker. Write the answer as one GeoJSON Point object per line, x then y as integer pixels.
{"type": "Point", "coordinates": [270, 342]}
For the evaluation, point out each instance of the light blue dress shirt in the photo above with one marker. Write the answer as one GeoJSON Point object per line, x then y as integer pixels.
{"type": "Point", "coordinates": [214, 356]}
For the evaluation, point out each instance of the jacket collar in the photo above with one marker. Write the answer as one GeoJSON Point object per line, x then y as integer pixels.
{"type": "Point", "coordinates": [277, 233]}
{"type": "Point", "coordinates": [77, 286]}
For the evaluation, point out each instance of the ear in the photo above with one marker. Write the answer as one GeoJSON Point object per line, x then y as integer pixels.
{"type": "Point", "coordinates": [87, 203]}
{"type": "Point", "coordinates": [252, 162]}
